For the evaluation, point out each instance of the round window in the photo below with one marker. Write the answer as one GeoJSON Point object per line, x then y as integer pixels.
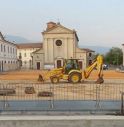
{"type": "Point", "coordinates": [58, 42]}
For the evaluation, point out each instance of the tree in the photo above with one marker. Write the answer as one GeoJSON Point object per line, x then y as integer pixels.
{"type": "Point", "coordinates": [114, 56]}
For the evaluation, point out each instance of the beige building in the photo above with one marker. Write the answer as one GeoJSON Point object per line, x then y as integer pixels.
{"type": "Point", "coordinates": [24, 54]}
{"type": "Point", "coordinates": [123, 53]}
{"type": "Point", "coordinates": [8, 55]}
{"type": "Point", "coordinates": [60, 43]}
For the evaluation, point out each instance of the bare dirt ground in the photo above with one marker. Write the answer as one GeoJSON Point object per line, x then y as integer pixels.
{"type": "Point", "coordinates": [33, 75]}
{"type": "Point", "coordinates": [19, 80]}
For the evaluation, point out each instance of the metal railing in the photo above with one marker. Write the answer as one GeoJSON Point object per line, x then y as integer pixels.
{"type": "Point", "coordinates": [26, 93]}
{"type": "Point", "coordinates": [63, 91]}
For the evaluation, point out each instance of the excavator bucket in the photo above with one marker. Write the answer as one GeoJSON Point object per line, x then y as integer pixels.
{"type": "Point", "coordinates": [40, 78]}
{"type": "Point", "coordinates": [100, 80]}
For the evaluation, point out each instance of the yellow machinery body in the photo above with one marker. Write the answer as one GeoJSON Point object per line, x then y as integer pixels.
{"type": "Point", "coordinates": [74, 74]}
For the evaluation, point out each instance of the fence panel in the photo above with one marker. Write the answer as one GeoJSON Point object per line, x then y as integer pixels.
{"type": "Point", "coordinates": [37, 96]}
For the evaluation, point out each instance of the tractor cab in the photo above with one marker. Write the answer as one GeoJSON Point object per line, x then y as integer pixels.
{"type": "Point", "coordinates": [71, 64]}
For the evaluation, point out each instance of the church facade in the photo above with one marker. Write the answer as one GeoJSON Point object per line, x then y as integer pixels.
{"type": "Point", "coordinates": [60, 43]}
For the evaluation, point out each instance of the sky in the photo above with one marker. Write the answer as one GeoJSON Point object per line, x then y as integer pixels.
{"type": "Point", "coordinates": [97, 22]}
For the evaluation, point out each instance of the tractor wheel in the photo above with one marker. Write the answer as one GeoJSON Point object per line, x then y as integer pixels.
{"type": "Point", "coordinates": [75, 77]}
{"type": "Point", "coordinates": [54, 79]}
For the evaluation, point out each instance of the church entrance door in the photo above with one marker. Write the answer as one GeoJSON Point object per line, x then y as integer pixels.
{"type": "Point", "coordinates": [59, 63]}
{"type": "Point", "coordinates": [38, 65]}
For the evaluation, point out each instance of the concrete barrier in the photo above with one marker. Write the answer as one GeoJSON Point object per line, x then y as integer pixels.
{"type": "Point", "coordinates": [61, 121]}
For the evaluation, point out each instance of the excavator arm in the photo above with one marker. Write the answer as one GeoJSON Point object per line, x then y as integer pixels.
{"type": "Point", "coordinates": [96, 64]}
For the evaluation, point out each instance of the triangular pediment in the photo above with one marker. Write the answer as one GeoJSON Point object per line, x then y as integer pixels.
{"type": "Point", "coordinates": [59, 29]}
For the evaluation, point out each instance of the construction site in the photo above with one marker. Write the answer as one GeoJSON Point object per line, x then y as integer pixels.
{"type": "Point", "coordinates": [63, 96]}
{"type": "Point", "coordinates": [63, 89]}
{"type": "Point", "coordinates": [21, 90]}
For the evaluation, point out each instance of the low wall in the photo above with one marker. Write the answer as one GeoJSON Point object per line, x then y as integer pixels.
{"type": "Point", "coordinates": [61, 121]}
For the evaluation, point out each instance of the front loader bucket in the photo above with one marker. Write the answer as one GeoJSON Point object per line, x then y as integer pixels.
{"type": "Point", "coordinates": [100, 80]}
{"type": "Point", "coordinates": [40, 78]}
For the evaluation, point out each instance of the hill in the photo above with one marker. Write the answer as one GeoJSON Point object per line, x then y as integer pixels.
{"type": "Point", "coordinates": [97, 49]}
{"type": "Point", "coordinates": [16, 39]}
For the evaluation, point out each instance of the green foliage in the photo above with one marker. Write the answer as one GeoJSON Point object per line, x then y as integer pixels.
{"type": "Point", "coordinates": [114, 56]}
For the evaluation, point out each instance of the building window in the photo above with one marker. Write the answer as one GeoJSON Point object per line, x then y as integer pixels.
{"type": "Point", "coordinates": [5, 62]}
{"type": "Point", "coordinates": [16, 51]}
{"type": "Point", "coordinates": [8, 49]}
{"type": "Point", "coordinates": [1, 48]}
{"type": "Point", "coordinates": [24, 54]}
{"type": "Point", "coordinates": [20, 55]}
{"type": "Point", "coordinates": [13, 50]}
{"type": "Point", "coordinates": [58, 42]}
{"type": "Point", "coordinates": [90, 54]}
{"type": "Point", "coordinates": [90, 62]}
{"type": "Point", "coordinates": [4, 48]}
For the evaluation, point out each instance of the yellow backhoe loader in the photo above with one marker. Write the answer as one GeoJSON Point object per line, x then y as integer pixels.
{"type": "Point", "coordinates": [72, 73]}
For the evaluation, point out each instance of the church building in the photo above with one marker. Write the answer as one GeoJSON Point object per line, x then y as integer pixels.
{"type": "Point", "coordinates": [60, 43]}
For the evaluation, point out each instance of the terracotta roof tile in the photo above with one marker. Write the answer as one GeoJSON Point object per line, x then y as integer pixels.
{"type": "Point", "coordinates": [30, 45]}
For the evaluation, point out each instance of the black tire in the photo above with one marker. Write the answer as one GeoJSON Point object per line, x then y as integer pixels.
{"type": "Point", "coordinates": [78, 75]}
{"type": "Point", "coordinates": [54, 80]}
